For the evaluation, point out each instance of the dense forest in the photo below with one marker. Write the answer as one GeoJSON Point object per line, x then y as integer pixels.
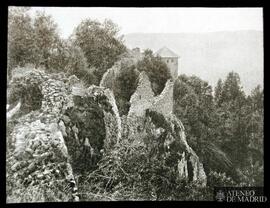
{"type": "Point", "coordinates": [223, 125]}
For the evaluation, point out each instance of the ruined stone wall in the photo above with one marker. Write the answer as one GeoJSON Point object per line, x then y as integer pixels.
{"type": "Point", "coordinates": [143, 101]}
{"type": "Point", "coordinates": [164, 102]}
{"type": "Point", "coordinates": [142, 98]}
{"type": "Point", "coordinates": [38, 158]}
{"type": "Point", "coordinates": [109, 76]}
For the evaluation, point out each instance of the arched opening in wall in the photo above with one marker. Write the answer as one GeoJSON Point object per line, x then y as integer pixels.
{"type": "Point", "coordinates": [21, 100]}
{"type": "Point", "coordinates": [85, 133]}
{"type": "Point", "coordinates": [28, 94]}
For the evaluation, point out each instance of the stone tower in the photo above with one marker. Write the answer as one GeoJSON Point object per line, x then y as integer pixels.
{"type": "Point", "coordinates": [171, 59]}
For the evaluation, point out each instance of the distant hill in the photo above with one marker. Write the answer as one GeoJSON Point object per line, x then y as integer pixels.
{"type": "Point", "coordinates": [211, 55]}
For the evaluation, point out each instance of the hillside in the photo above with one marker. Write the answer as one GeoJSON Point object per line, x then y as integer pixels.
{"type": "Point", "coordinates": [211, 55]}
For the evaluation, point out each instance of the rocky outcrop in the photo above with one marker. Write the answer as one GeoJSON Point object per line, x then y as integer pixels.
{"type": "Point", "coordinates": [45, 129]}
{"type": "Point", "coordinates": [152, 117]}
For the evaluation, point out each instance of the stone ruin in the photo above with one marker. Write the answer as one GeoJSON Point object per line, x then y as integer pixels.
{"type": "Point", "coordinates": [153, 115]}
{"type": "Point", "coordinates": [48, 133]}
{"type": "Point", "coordinates": [50, 138]}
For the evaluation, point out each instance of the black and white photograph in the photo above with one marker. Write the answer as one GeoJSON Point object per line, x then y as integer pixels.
{"type": "Point", "coordinates": [134, 104]}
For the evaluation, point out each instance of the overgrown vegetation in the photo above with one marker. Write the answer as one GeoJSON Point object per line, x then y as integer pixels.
{"type": "Point", "coordinates": [137, 172]}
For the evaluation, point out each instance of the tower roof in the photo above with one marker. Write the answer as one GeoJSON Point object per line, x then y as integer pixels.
{"type": "Point", "coordinates": [166, 52]}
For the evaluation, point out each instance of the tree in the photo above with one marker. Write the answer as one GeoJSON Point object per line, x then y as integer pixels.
{"type": "Point", "coordinates": [46, 39]}
{"type": "Point", "coordinates": [252, 172]}
{"type": "Point", "coordinates": [232, 90]}
{"type": "Point", "coordinates": [257, 97]}
{"type": "Point", "coordinates": [100, 44]}
{"type": "Point", "coordinates": [122, 79]}
{"type": "Point", "coordinates": [20, 38]}
{"type": "Point", "coordinates": [33, 40]}
{"type": "Point", "coordinates": [255, 124]}
{"type": "Point", "coordinates": [126, 84]}
{"type": "Point", "coordinates": [234, 115]}
{"type": "Point", "coordinates": [156, 70]}
{"type": "Point", "coordinates": [194, 105]}
{"type": "Point", "coordinates": [218, 92]}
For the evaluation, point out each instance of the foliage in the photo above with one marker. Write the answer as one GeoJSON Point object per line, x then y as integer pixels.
{"type": "Point", "coordinates": [226, 131]}
{"type": "Point", "coordinates": [69, 58]}
{"type": "Point", "coordinates": [127, 77]}
{"type": "Point", "coordinates": [31, 40]}
{"type": "Point", "coordinates": [25, 89]}
{"type": "Point", "coordinates": [131, 172]}
{"type": "Point", "coordinates": [194, 105]}
{"type": "Point", "coordinates": [235, 114]}
{"type": "Point", "coordinates": [100, 44]}
{"type": "Point", "coordinates": [252, 175]}
{"type": "Point", "coordinates": [156, 70]}
{"type": "Point", "coordinates": [45, 39]}
{"type": "Point", "coordinates": [128, 173]}
{"type": "Point", "coordinates": [20, 38]}
{"type": "Point", "coordinates": [36, 41]}
{"type": "Point", "coordinates": [232, 90]}
{"type": "Point", "coordinates": [122, 80]}
{"type": "Point", "coordinates": [218, 91]}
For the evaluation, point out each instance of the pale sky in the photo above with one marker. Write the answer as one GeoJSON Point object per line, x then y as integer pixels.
{"type": "Point", "coordinates": [159, 20]}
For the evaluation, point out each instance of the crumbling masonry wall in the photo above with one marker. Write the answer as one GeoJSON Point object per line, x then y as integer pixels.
{"type": "Point", "coordinates": [39, 162]}
{"type": "Point", "coordinates": [146, 108]}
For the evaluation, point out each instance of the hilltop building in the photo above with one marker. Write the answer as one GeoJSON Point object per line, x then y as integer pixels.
{"type": "Point", "coordinates": [171, 59]}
